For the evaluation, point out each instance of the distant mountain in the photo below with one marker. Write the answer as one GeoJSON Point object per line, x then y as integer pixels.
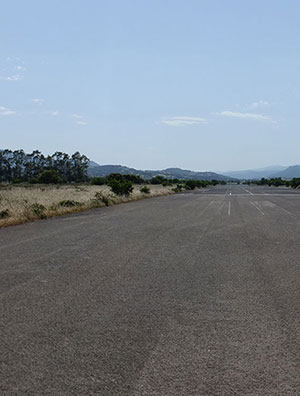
{"type": "Point", "coordinates": [92, 164]}
{"type": "Point", "coordinates": [269, 171]}
{"type": "Point", "coordinates": [170, 173]}
{"type": "Point", "coordinates": [288, 173]}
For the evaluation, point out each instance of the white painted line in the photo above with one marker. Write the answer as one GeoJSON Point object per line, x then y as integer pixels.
{"type": "Point", "coordinates": [249, 192]}
{"type": "Point", "coordinates": [206, 207]}
{"type": "Point", "coordinates": [229, 208]}
{"type": "Point", "coordinates": [285, 210]}
{"type": "Point", "coordinates": [221, 207]}
{"type": "Point", "coordinates": [230, 193]}
{"type": "Point", "coordinates": [24, 241]}
{"type": "Point", "coordinates": [257, 207]}
{"type": "Point", "coordinates": [274, 205]}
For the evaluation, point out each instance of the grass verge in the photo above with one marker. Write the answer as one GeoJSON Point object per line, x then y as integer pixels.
{"type": "Point", "coordinates": [23, 203]}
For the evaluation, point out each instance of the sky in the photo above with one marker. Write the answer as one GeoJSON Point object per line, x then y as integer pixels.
{"type": "Point", "coordinates": [151, 84]}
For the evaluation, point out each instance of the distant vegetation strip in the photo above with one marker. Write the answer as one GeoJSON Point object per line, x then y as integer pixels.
{"type": "Point", "coordinates": [17, 166]}
{"type": "Point", "coordinates": [276, 181]}
{"type": "Point", "coordinates": [34, 186]}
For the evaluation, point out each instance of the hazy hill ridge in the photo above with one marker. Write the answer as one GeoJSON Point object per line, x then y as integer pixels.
{"type": "Point", "coordinates": [170, 173]}
{"type": "Point", "coordinates": [259, 173]}
{"type": "Point", "coordinates": [288, 173]}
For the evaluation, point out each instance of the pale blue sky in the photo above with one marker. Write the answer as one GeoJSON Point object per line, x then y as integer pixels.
{"type": "Point", "coordinates": [203, 85]}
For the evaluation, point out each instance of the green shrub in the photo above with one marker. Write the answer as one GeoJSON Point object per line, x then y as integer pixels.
{"type": "Point", "coordinates": [190, 184]}
{"type": "Point", "coordinates": [38, 210]}
{"type": "Point", "coordinates": [4, 213]}
{"type": "Point", "coordinates": [49, 177]}
{"type": "Point", "coordinates": [34, 180]}
{"type": "Point", "coordinates": [69, 203]}
{"type": "Point", "coordinates": [136, 179]}
{"type": "Point", "coordinates": [98, 181]}
{"type": "Point", "coordinates": [99, 197]}
{"type": "Point", "coordinates": [121, 187]}
{"type": "Point", "coordinates": [145, 190]}
{"type": "Point", "coordinates": [166, 183]}
{"type": "Point", "coordinates": [178, 188]}
{"type": "Point", "coordinates": [158, 180]}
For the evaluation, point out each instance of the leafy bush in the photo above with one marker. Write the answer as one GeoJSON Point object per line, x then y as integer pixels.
{"type": "Point", "coordinates": [136, 179]}
{"type": "Point", "coordinates": [145, 190]}
{"type": "Point", "coordinates": [166, 183]}
{"type": "Point", "coordinates": [4, 213]}
{"type": "Point", "coordinates": [295, 182]}
{"type": "Point", "coordinates": [158, 180]}
{"type": "Point", "coordinates": [98, 181]}
{"type": "Point", "coordinates": [178, 188]}
{"type": "Point", "coordinates": [190, 184]}
{"type": "Point", "coordinates": [69, 203]}
{"type": "Point", "coordinates": [102, 198]}
{"type": "Point", "coordinates": [38, 210]}
{"type": "Point", "coordinates": [49, 177]}
{"type": "Point", "coordinates": [121, 187]}
{"type": "Point", "coordinates": [34, 180]}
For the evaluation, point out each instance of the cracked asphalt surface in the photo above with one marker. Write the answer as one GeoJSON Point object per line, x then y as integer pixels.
{"type": "Point", "coordinates": [190, 294]}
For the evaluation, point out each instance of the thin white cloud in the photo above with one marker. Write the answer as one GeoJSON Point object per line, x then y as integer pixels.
{"type": "Point", "coordinates": [15, 77]}
{"type": "Point", "coordinates": [54, 113]}
{"type": "Point", "coordinates": [20, 68]}
{"type": "Point", "coordinates": [251, 116]}
{"type": "Point", "coordinates": [260, 103]}
{"type": "Point", "coordinates": [77, 116]}
{"type": "Point", "coordinates": [38, 101]}
{"type": "Point", "coordinates": [4, 111]}
{"type": "Point", "coordinates": [182, 121]}
{"type": "Point", "coordinates": [79, 119]}
{"type": "Point", "coordinates": [81, 122]}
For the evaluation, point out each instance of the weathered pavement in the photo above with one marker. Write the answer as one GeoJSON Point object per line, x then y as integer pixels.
{"type": "Point", "coordinates": [191, 294]}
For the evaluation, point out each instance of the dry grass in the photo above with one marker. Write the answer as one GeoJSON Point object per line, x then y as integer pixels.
{"type": "Point", "coordinates": [23, 203]}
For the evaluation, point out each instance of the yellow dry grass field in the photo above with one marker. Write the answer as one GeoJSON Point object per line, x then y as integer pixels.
{"type": "Point", "coordinates": [23, 203]}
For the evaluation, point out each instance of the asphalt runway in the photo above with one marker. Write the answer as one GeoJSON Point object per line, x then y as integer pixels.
{"type": "Point", "coordinates": [192, 294]}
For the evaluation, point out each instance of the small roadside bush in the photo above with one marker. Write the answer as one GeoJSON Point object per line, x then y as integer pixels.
{"type": "Point", "coordinates": [178, 188]}
{"type": "Point", "coordinates": [99, 197]}
{"type": "Point", "coordinates": [4, 214]}
{"type": "Point", "coordinates": [38, 210]}
{"type": "Point", "coordinates": [69, 203]}
{"type": "Point", "coordinates": [145, 190]}
{"type": "Point", "coordinates": [121, 187]}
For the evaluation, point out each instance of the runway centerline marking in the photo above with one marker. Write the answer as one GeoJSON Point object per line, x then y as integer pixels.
{"type": "Point", "coordinates": [229, 208]}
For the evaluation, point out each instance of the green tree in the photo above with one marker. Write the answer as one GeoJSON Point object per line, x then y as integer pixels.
{"type": "Point", "coordinates": [121, 187]}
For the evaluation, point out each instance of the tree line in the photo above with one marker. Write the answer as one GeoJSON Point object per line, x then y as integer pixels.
{"type": "Point", "coordinates": [18, 166]}
{"type": "Point", "coordinates": [276, 181]}
{"type": "Point", "coordinates": [123, 184]}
